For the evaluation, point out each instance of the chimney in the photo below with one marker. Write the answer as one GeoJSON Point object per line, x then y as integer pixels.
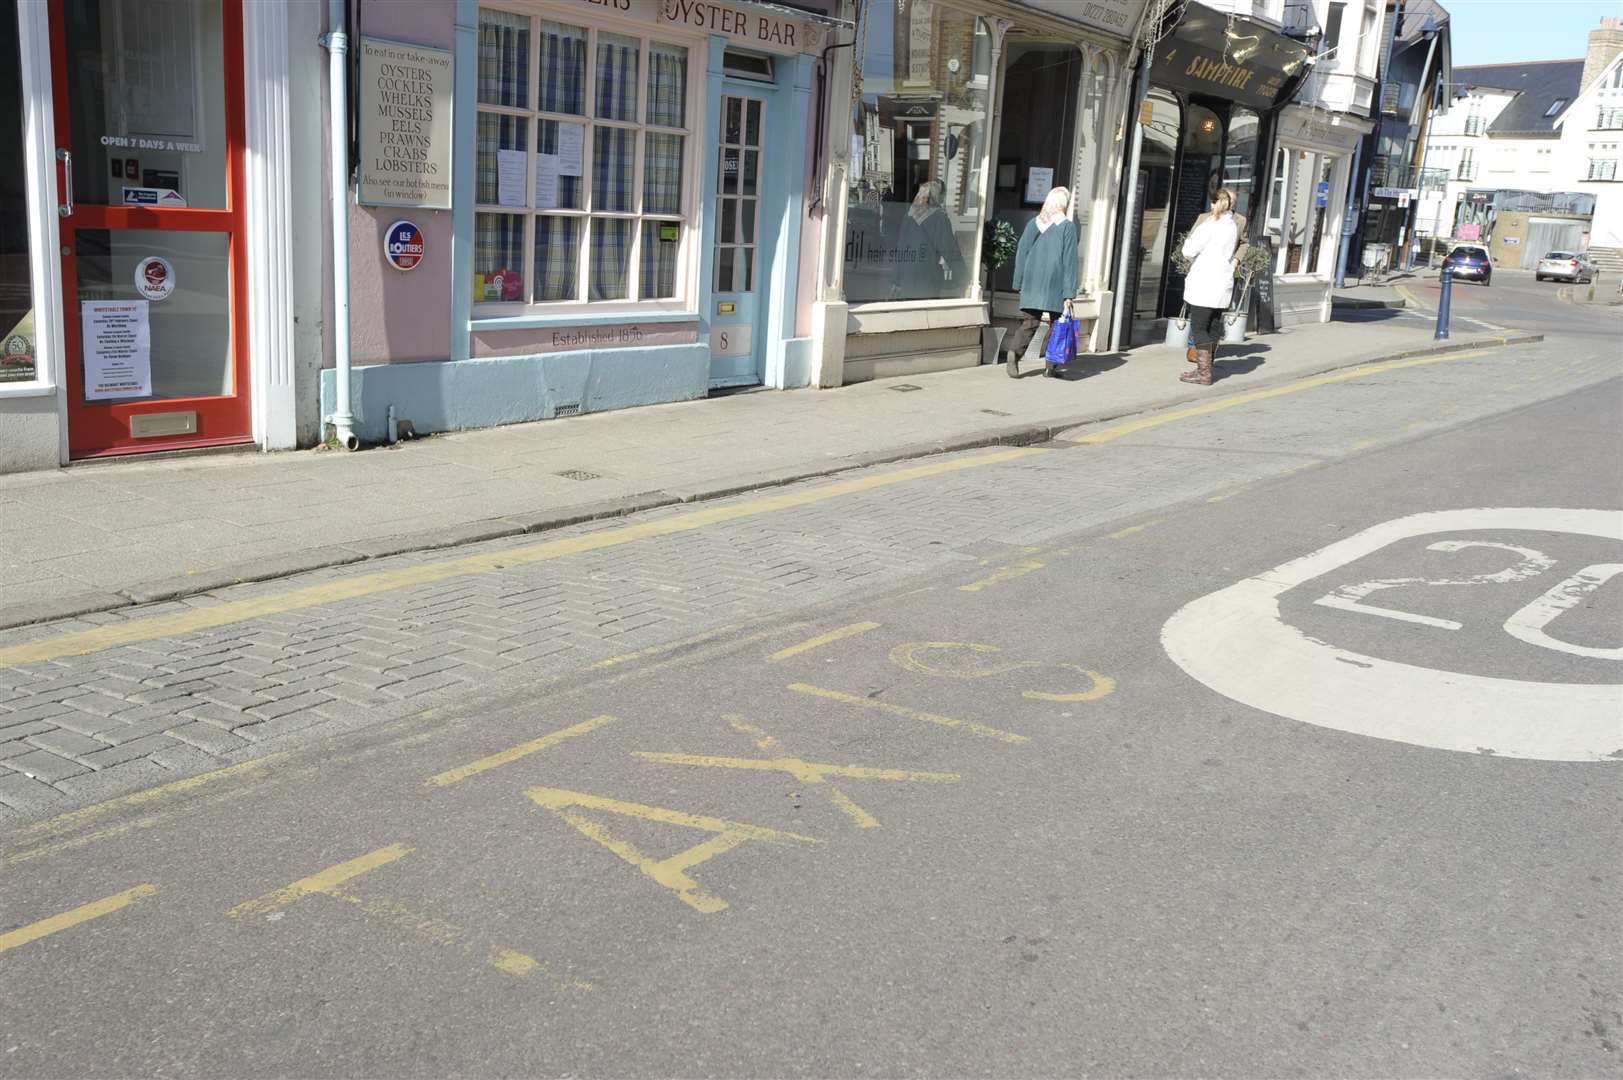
{"type": "Point", "coordinates": [1604, 43]}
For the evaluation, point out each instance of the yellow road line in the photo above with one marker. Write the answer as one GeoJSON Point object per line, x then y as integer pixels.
{"type": "Point", "coordinates": [810, 772]}
{"type": "Point", "coordinates": [906, 713]}
{"type": "Point", "coordinates": [324, 882]}
{"type": "Point", "coordinates": [68, 919]}
{"type": "Point", "coordinates": [1019, 568]}
{"type": "Point", "coordinates": [1132, 427]}
{"type": "Point", "coordinates": [153, 627]}
{"type": "Point", "coordinates": [824, 639]}
{"type": "Point", "coordinates": [504, 757]}
{"type": "Point", "coordinates": [1134, 530]}
{"type": "Point", "coordinates": [75, 818]}
{"type": "Point", "coordinates": [444, 932]}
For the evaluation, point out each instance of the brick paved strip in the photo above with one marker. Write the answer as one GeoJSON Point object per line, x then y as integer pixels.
{"type": "Point", "coordinates": [22, 793]}
{"type": "Point", "coordinates": [130, 751]}
{"type": "Point", "coordinates": [46, 766]}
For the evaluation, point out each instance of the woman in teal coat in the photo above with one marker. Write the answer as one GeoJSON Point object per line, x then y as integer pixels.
{"type": "Point", "coordinates": [1044, 272]}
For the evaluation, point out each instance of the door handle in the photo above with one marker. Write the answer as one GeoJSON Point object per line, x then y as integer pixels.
{"type": "Point", "coordinates": [66, 158]}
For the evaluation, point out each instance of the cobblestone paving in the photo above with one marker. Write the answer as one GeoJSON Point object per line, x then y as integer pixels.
{"type": "Point", "coordinates": [86, 727]}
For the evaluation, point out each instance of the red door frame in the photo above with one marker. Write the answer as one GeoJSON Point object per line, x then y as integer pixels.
{"type": "Point", "coordinates": [98, 429]}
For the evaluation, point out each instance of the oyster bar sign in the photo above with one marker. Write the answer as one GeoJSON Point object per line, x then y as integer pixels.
{"type": "Point", "coordinates": [773, 30]}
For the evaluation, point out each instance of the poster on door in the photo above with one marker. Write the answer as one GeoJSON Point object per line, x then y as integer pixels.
{"type": "Point", "coordinates": [117, 349]}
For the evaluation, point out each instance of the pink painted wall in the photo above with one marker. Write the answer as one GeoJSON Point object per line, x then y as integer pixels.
{"type": "Point", "coordinates": [400, 316]}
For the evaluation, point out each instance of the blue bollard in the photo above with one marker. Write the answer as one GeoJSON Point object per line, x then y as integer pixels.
{"type": "Point", "coordinates": [1443, 304]}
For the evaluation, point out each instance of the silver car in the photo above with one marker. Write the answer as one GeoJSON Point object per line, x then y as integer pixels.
{"type": "Point", "coordinates": [1573, 266]}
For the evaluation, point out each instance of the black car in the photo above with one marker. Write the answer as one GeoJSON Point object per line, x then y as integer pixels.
{"type": "Point", "coordinates": [1470, 262]}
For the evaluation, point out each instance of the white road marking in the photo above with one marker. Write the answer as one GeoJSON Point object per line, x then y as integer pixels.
{"type": "Point", "coordinates": [1528, 624]}
{"type": "Point", "coordinates": [1350, 597]}
{"type": "Point", "coordinates": [1235, 642]}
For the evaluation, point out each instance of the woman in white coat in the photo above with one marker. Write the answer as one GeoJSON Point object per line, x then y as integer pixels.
{"type": "Point", "coordinates": [1210, 284]}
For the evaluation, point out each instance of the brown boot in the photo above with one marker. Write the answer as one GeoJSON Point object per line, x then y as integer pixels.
{"type": "Point", "coordinates": [1202, 375]}
{"type": "Point", "coordinates": [1190, 354]}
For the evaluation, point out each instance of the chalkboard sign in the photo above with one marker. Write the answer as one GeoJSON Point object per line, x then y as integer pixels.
{"type": "Point", "coordinates": [1264, 319]}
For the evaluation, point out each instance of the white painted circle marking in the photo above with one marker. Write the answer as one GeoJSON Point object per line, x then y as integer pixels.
{"type": "Point", "coordinates": [1236, 643]}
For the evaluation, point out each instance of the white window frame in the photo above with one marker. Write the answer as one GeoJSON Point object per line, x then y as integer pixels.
{"type": "Point", "coordinates": [40, 197]}
{"type": "Point", "coordinates": [686, 299]}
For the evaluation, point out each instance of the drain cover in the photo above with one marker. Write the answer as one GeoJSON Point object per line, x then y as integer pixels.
{"type": "Point", "coordinates": [905, 388]}
{"type": "Point", "coordinates": [578, 474]}
{"type": "Point", "coordinates": [996, 412]}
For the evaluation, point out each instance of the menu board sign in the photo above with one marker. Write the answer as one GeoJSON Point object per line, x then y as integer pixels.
{"type": "Point", "coordinates": [405, 102]}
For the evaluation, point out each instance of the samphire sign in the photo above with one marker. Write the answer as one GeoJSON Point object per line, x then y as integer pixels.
{"type": "Point", "coordinates": [405, 102]}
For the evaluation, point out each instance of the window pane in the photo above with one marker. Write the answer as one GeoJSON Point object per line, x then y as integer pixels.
{"type": "Point", "coordinates": [617, 76]}
{"type": "Point", "coordinates": [17, 348]}
{"type": "Point", "coordinates": [914, 213]}
{"type": "Point", "coordinates": [752, 169]}
{"type": "Point", "coordinates": [727, 219]}
{"type": "Point", "coordinates": [570, 190]}
{"type": "Point", "coordinates": [611, 258]}
{"type": "Point", "coordinates": [504, 59]}
{"type": "Point", "coordinates": [746, 268]}
{"type": "Point", "coordinates": [613, 168]}
{"type": "Point", "coordinates": [497, 132]}
{"type": "Point", "coordinates": [724, 269]}
{"type": "Point", "coordinates": [660, 243]}
{"type": "Point", "coordinates": [667, 85]}
{"type": "Point", "coordinates": [498, 257]}
{"type": "Point", "coordinates": [729, 170]}
{"type": "Point", "coordinates": [557, 258]}
{"type": "Point", "coordinates": [662, 174]}
{"type": "Point", "coordinates": [752, 129]}
{"type": "Point", "coordinates": [748, 219]}
{"type": "Point", "coordinates": [732, 111]}
{"type": "Point", "coordinates": [562, 64]}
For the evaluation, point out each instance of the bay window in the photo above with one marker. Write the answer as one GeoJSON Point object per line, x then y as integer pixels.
{"type": "Point", "coordinates": [583, 183]}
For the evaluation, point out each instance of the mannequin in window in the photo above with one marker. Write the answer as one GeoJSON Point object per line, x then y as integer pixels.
{"type": "Point", "coordinates": [928, 262]}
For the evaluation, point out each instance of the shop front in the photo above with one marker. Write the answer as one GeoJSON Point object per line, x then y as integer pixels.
{"type": "Point", "coordinates": [1307, 219]}
{"type": "Point", "coordinates": [1209, 120]}
{"type": "Point", "coordinates": [624, 222]}
{"type": "Point", "coordinates": [964, 116]}
{"type": "Point", "coordinates": [142, 231]}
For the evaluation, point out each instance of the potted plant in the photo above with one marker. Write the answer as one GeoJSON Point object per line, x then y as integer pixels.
{"type": "Point", "coordinates": [1252, 262]}
{"type": "Point", "coordinates": [998, 246]}
{"type": "Point", "coordinates": [1178, 326]}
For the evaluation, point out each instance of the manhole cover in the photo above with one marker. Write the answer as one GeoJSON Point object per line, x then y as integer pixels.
{"type": "Point", "coordinates": [578, 474]}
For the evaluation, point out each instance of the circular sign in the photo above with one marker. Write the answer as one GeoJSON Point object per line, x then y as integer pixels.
{"type": "Point", "coordinates": [403, 245]}
{"type": "Point", "coordinates": [154, 278]}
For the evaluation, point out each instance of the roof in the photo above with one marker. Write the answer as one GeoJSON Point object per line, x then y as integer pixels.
{"type": "Point", "coordinates": [1537, 85]}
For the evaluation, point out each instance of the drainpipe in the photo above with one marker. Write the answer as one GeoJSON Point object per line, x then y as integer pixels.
{"type": "Point", "coordinates": [1130, 250]}
{"type": "Point", "coordinates": [337, 43]}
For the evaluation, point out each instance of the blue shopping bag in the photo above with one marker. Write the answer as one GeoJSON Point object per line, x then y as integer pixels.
{"type": "Point", "coordinates": [1061, 348]}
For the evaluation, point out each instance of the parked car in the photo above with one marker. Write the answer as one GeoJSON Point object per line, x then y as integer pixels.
{"type": "Point", "coordinates": [1471, 262]}
{"type": "Point", "coordinates": [1573, 266]}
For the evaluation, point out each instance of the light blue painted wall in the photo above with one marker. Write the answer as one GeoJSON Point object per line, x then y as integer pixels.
{"type": "Point", "coordinates": [486, 392]}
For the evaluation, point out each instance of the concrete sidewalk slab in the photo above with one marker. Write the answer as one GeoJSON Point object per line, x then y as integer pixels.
{"type": "Point", "coordinates": [95, 537]}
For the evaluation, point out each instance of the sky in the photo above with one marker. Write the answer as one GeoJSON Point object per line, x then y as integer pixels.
{"type": "Point", "coordinates": [1505, 31]}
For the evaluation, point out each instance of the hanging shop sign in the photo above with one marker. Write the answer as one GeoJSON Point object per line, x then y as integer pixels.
{"type": "Point", "coordinates": [154, 278]}
{"type": "Point", "coordinates": [405, 105]}
{"type": "Point", "coordinates": [1229, 57]}
{"type": "Point", "coordinates": [403, 245]}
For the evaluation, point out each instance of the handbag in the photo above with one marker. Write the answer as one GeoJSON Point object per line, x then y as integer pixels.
{"type": "Point", "coordinates": [1061, 348]}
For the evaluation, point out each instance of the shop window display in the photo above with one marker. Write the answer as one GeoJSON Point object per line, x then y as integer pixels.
{"type": "Point", "coordinates": [916, 183]}
{"type": "Point", "coordinates": [582, 171]}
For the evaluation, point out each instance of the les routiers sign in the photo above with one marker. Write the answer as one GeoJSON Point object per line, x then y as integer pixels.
{"type": "Point", "coordinates": [768, 29]}
{"type": "Point", "coordinates": [405, 103]}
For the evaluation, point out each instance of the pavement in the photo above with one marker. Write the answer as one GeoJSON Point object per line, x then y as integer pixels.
{"type": "Point", "coordinates": [101, 536]}
{"type": "Point", "coordinates": [1014, 761]}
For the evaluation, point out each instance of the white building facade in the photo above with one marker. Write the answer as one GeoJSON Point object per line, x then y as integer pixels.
{"type": "Point", "coordinates": [1591, 146]}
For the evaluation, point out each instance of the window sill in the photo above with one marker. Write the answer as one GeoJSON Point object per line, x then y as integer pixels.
{"type": "Point", "coordinates": [485, 321]}
{"type": "Point", "coordinates": [892, 316]}
{"type": "Point", "coordinates": [27, 390]}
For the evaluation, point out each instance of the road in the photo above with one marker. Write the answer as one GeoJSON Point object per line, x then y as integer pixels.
{"type": "Point", "coordinates": [1274, 735]}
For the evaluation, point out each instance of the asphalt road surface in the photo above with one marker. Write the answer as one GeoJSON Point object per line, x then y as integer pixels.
{"type": "Point", "coordinates": [1280, 737]}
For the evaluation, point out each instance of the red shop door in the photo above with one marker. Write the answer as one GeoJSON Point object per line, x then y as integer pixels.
{"type": "Point", "coordinates": [149, 135]}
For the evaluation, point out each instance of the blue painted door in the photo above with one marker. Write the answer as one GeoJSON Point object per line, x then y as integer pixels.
{"type": "Point", "coordinates": [741, 253]}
